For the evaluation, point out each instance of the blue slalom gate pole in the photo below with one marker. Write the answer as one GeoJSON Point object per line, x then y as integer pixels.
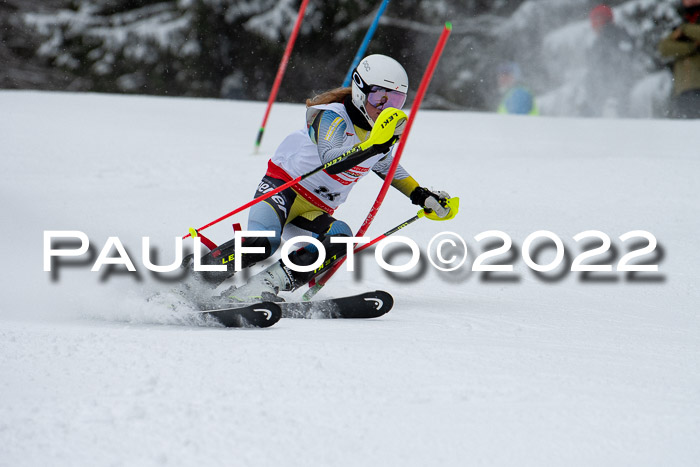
{"type": "Point", "coordinates": [365, 42]}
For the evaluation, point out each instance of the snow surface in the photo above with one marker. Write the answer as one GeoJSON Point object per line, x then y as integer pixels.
{"type": "Point", "coordinates": [533, 370]}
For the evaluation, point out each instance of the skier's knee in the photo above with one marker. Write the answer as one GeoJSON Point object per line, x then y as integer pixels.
{"type": "Point", "coordinates": [309, 255]}
{"type": "Point", "coordinates": [274, 244]}
{"type": "Point", "coordinates": [339, 228]}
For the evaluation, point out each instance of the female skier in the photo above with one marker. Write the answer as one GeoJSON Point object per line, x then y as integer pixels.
{"type": "Point", "coordinates": [337, 121]}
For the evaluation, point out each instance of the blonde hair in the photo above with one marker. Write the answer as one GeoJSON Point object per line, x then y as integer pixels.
{"type": "Point", "coordinates": [328, 97]}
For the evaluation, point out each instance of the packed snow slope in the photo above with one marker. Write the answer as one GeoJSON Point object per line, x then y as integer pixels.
{"type": "Point", "coordinates": [508, 368]}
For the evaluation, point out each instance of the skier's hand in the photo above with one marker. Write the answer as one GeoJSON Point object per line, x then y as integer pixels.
{"type": "Point", "coordinates": [386, 131]}
{"type": "Point", "coordinates": [432, 202]}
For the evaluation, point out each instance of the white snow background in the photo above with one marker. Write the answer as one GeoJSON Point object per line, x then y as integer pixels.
{"type": "Point", "coordinates": [465, 370]}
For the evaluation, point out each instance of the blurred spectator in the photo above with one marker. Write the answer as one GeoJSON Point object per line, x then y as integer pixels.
{"type": "Point", "coordinates": [611, 68]}
{"type": "Point", "coordinates": [683, 45]}
{"type": "Point", "coordinates": [515, 98]}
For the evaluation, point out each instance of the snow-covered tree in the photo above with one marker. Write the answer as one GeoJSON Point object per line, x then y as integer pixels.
{"type": "Point", "coordinates": [231, 48]}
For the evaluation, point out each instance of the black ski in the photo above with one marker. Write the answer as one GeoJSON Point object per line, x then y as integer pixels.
{"type": "Point", "coordinates": [259, 315]}
{"type": "Point", "coordinates": [366, 305]}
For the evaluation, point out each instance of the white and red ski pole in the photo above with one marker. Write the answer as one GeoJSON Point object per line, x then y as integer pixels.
{"type": "Point", "coordinates": [315, 286]}
{"type": "Point", "coordinates": [281, 70]}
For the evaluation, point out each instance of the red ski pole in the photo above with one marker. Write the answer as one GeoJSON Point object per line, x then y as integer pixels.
{"type": "Point", "coordinates": [281, 70]}
{"type": "Point", "coordinates": [340, 161]}
{"type": "Point", "coordinates": [425, 81]}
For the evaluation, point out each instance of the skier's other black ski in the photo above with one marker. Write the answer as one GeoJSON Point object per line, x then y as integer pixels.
{"type": "Point", "coordinates": [366, 305]}
{"type": "Point", "coordinates": [259, 315]}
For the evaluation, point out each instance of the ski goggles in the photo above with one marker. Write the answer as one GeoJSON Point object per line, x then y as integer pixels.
{"type": "Point", "coordinates": [382, 98]}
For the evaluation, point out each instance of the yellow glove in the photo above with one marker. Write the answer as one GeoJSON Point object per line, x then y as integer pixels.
{"type": "Point", "coordinates": [438, 206]}
{"type": "Point", "coordinates": [451, 205]}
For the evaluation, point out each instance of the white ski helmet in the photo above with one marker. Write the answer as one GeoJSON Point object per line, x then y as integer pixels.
{"type": "Point", "coordinates": [377, 73]}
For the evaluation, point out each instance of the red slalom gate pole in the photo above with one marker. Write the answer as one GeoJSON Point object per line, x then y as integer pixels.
{"type": "Point", "coordinates": [250, 203]}
{"type": "Point", "coordinates": [281, 70]}
{"type": "Point", "coordinates": [353, 152]}
{"type": "Point", "coordinates": [425, 81]}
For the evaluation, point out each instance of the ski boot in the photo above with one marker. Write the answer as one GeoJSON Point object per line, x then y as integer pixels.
{"type": "Point", "coordinates": [264, 286]}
